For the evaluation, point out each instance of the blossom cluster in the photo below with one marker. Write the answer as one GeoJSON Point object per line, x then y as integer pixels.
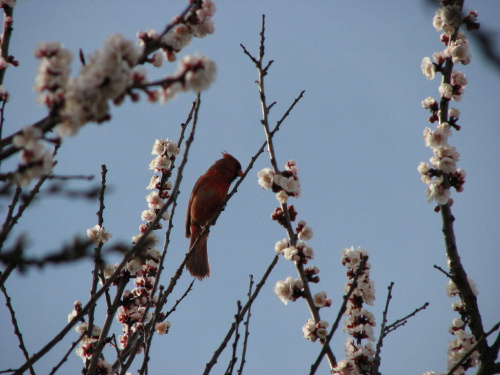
{"type": "Point", "coordinates": [291, 289]}
{"type": "Point", "coordinates": [110, 74]}
{"type": "Point", "coordinates": [36, 157]}
{"type": "Point", "coordinates": [166, 151]}
{"type": "Point", "coordinates": [105, 76]}
{"type": "Point", "coordinates": [198, 23]}
{"type": "Point", "coordinates": [53, 73]}
{"type": "Point", "coordinates": [300, 252]}
{"type": "Point", "coordinates": [442, 173]}
{"type": "Point", "coordinates": [285, 184]}
{"type": "Point", "coordinates": [315, 330]}
{"type": "Point", "coordinates": [194, 73]}
{"type": "Point", "coordinates": [458, 348]}
{"type": "Point", "coordinates": [89, 341]}
{"type": "Point", "coordinates": [464, 341]}
{"type": "Point", "coordinates": [360, 322]}
{"type": "Point", "coordinates": [144, 267]}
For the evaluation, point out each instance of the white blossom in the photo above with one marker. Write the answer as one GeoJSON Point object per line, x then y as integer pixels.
{"type": "Point", "coordinates": [428, 103]}
{"type": "Point", "coordinates": [291, 253]}
{"type": "Point", "coordinates": [446, 90]}
{"type": "Point", "coordinates": [200, 72]}
{"type": "Point", "coordinates": [306, 233]}
{"type": "Point", "coordinates": [453, 112]}
{"type": "Point", "coordinates": [436, 191]}
{"type": "Point", "coordinates": [28, 139]}
{"type": "Point", "coordinates": [266, 178]}
{"type": "Point", "coordinates": [428, 68]}
{"type": "Point", "coordinates": [320, 299]}
{"type": "Point", "coordinates": [281, 246]}
{"type": "Point", "coordinates": [283, 290]}
{"type": "Point", "coordinates": [98, 234]}
{"type": "Point", "coordinates": [282, 196]}
{"type": "Point", "coordinates": [160, 162]}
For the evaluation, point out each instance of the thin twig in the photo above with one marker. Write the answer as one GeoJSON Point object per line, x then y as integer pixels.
{"type": "Point", "coordinates": [189, 288]}
{"type": "Point", "coordinates": [2, 118]}
{"type": "Point", "coordinates": [234, 359]}
{"type": "Point", "coordinates": [71, 177]}
{"type": "Point", "coordinates": [65, 358]}
{"type": "Point", "coordinates": [97, 254]}
{"type": "Point", "coordinates": [401, 322]}
{"type": "Point", "coordinates": [377, 358]}
{"type": "Point", "coordinates": [247, 333]}
{"type": "Point", "coordinates": [6, 227]}
{"type": "Point", "coordinates": [443, 271]}
{"type": "Point", "coordinates": [5, 274]}
{"type": "Point", "coordinates": [17, 331]}
{"type": "Point", "coordinates": [26, 202]}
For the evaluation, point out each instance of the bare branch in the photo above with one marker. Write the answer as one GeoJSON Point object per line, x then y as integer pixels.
{"type": "Point", "coordinates": [245, 308]}
{"type": "Point", "coordinates": [65, 358]}
{"type": "Point", "coordinates": [234, 359]}
{"type": "Point", "coordinates": [17, 331]}
{"type": "Point", "coordinates": [443, 271]}
{"type": "Point", "coordinates": [401, 322]}
{"type": "Point", "coordinates": [190, 287]}
{"type": "Point", "coordinates": [247, 324]}
{"type": "Point", "coordinates": [377, 360]}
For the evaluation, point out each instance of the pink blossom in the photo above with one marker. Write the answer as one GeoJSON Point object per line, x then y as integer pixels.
{"type": "Point", "coordinates": [162, 327]}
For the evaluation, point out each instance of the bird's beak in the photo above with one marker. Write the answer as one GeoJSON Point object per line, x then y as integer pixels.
{"type": "Point", "coordinates": [240, 173]}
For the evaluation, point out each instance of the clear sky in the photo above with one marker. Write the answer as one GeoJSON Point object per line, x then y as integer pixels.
{"type": "Point", "coordinates": [357, 139]}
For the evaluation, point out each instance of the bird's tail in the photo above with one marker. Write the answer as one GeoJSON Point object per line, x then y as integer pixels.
{"type": "Point", "coordinates": [197, 264]}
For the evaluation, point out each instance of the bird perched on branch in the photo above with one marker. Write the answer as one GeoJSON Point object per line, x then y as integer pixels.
{"type": "Point", "coordinates": [206, 198]}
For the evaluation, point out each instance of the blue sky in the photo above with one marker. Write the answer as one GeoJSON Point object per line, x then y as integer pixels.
{"type": "Point", "coordinates": [357, 139]}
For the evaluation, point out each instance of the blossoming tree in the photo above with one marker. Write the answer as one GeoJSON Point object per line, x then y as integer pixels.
{"type": "Point", "coordinates": [130, 300]}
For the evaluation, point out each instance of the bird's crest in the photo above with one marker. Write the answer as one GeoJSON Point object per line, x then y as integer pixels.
{"type": "Point", "coordinates": [226, 155]}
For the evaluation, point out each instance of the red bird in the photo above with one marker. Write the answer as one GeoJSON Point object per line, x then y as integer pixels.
{"type": "Point", "coordinates": [208, 193]}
